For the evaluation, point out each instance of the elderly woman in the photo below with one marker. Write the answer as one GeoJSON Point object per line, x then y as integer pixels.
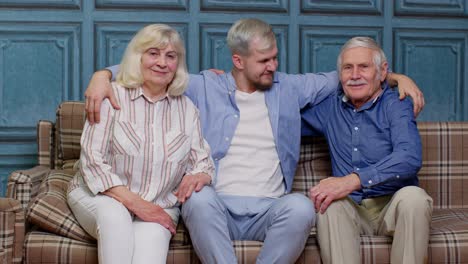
{"type": "Point", "coordinates": [132, 162]}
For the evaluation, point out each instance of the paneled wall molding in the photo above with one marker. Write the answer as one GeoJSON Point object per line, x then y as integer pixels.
{"type": "Point", "coordinates": [438, 8]}
{"type": "Point", "coordinates": [436, 60]}
{"type": "Point", "coordinates": [320, 46]}
{"type": "Point", "coordinates": [251, 6]}
{"type": "Point", "coordinates": [143, 4]}
{"type": "Point", "coordinates": [342, 6]}
{"type": "Point", "coordinates": [43, 66]}
{"type": "Point", "coordinates": [58, 4]}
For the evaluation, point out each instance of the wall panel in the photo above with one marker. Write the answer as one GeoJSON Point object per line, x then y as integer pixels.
{"type": "Point", "coordinates": [146, 4]}
{"type": "Point", "coordinates": [431, 7]}
{"type": "Point", "coordinates": [422, 54]}
{"type": "Point", "coordinates": [343, 6]}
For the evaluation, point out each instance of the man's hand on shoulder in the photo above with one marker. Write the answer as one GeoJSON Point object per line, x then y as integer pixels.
{"type": "Point", "coordinates": [333, 188]}
{"type": "Point", "coordinates": [98, 89]}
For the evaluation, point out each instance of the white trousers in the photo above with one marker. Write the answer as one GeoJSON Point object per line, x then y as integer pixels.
{"type": "Point", "coordinates": [121, 237]}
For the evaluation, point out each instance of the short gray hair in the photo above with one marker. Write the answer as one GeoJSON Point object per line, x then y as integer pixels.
{"type": "Point", "coordinates": [245, 30]}
{"type": "Point", "coordinates": [153, 36]}
{"type": "Point", "coordinates": [363, 42]}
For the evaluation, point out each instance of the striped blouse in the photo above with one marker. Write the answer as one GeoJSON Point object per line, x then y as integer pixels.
{"type": "Point", "coordinates": [147, 146]}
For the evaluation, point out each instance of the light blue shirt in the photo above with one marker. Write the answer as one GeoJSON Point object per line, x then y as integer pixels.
{"type": "Point", "coordinates": [214, 95]}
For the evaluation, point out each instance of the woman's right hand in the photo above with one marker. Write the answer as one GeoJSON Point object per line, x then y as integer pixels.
{"type": "Point", "coordinates": [145, 210]}
{"type": "Point", "coordinates": [150, 212]}
{"type": "Point", "coordinates": [98, 89]}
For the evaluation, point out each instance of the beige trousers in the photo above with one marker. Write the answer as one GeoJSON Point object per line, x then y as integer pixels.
{"type": "Point", "coordinates": [406, 216]}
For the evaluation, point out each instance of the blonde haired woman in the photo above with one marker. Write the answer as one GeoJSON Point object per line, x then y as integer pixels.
{"type": "Point", "coordinates": [132, 162]}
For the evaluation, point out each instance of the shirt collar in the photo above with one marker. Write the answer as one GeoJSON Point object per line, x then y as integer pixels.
{"type": "Point", "coordinates": [138, 92]}
{"type": "Point", "coordinates": [367, 105]}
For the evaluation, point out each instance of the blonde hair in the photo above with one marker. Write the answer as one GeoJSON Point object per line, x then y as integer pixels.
{"type": "Point", "coordinates": [153, 36]}
{"type": "Point", "coordinates": [245, 30]}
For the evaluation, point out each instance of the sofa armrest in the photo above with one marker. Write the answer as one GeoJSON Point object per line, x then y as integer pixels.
{"type": "Point", "coordinates": [23, 185]}
{"type": "Point", "coordinates": [12, 228]}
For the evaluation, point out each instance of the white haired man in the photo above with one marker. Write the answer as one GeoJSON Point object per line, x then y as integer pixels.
{"type": "Point", "coordinates": [376, 154]}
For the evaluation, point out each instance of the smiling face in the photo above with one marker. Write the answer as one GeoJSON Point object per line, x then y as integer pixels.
{"type": "Point", "coordinates": [359, 76]}
{"type": "Point", "coordinates": [158, 67]}
{"type": "Point", "coordinates": [259, 66]}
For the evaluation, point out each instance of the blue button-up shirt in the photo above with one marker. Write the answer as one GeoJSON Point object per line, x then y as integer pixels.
{"type": "Point", "coordinates": [214, 95]}
{"type": "Point", "coordinates": [379, 141]}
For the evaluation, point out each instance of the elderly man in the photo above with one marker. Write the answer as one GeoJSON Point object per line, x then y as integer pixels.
{"type": "Point", "coordinates": [376, 154]}
{"type": "Point", "coordinates": [251, 120]}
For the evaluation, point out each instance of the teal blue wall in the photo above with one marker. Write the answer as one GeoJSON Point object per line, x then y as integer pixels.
{"type": "Point", "coordinates": [50, 48]}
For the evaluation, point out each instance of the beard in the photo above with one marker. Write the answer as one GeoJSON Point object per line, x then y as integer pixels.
{"type": "Point", "coordinates": [264, 86]}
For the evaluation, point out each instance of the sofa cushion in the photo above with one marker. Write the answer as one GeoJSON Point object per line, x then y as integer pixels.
{"type": "Point", "coordinates": [41, 247]}
{"type": "Point", "coordinates": [445, 152]}
{"type": "Point", "coordinates": [314, 164]}
{"type": "Point", "coordinates": [448, 242]}
{"type": "Point", "coordinates": [69, 126]}
{"type": "Point", "coordinates": [50, 211]}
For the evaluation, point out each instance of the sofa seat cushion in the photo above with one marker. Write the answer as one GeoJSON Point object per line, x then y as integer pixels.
{"type": "Point", "coordinates": [41, 247]}
{"type": "Point", "coordinates": [449, 236]}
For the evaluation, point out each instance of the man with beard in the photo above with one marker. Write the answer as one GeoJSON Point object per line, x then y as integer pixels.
{"type": "Point", "coordinates": [376, 154]}
{"type": "Point", "coordinates": [251, 120]}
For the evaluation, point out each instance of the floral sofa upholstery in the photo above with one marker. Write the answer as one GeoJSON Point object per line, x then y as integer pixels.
{"type": "Point", "coordinates": [36, 225]}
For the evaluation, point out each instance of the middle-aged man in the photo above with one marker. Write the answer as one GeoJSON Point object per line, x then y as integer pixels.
{"type": "Point", "coordinates": [376, 153]}
{"type": "Point", "coordinates": [251, 120]}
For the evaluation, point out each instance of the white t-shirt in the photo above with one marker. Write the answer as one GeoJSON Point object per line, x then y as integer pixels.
{"type": "Point", "coordinates": [251, 166]}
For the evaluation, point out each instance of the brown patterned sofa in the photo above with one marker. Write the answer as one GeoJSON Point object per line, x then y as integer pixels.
{"type": "Point", "coordinates": [36, 225]}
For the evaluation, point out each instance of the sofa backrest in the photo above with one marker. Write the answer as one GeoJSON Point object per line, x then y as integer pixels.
{"type": "Point", "coordinates": [445, 155]}
{"type": "Point", "coordinates": [59, 143]}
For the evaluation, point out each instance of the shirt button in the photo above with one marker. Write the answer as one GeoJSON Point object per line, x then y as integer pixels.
{"type": "Point", "coordinates": [236, 116]}
{"type": "Point", "coordinates": [356, 128]}
{"type": "Point", "coordinates": [398, 176]}
{"type": "Point", "coordinates": [354, 110]}
{"type": "Point", "coordinates": [370, 181]}
{"type": "Point", "coordinates": [230, 92]}
{"type": "Point", "coordinates": [355, 149]}
{"type": "Point", "coordinates": [226, 138]}
{"type": "Point", "coordinates": [216, 159]}
{"type": "Point", "coordinates": [357, 169]}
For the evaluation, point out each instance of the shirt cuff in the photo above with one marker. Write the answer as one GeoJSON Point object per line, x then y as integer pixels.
{"type": "Point", "coordinates": [367, 176]}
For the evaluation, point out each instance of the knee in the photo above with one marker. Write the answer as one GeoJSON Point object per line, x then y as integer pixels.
{"type": "Point", "coordinates": [299, 209]}
{"type": "Point", "coordinates": [113, 212]}
{"type": "Point", "coordinates": [200, 203]}
{"type": "Point", "coordinates": [154, 234]}
{"type": "Point", "coordinates": [334, 210]}
{"type": "Point", "coordinates": [413, 200]}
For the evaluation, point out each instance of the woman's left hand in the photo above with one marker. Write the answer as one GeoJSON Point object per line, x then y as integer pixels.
{"type": "Point", "coordinates": [191, 183]}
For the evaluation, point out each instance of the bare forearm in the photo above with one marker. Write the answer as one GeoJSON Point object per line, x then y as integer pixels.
{"type": "Point", "coordinates": [124, 196]}
{"type": "Point", "coordinates": [393, 78]}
